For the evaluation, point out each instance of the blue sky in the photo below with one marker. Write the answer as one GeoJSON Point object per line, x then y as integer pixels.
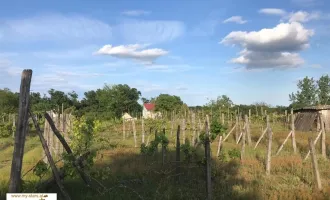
{"type": "Point", "coordinates": [251, 51]}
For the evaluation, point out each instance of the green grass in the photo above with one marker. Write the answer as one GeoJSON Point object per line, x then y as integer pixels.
{"type": "Point", "coordinates": [129, 175]}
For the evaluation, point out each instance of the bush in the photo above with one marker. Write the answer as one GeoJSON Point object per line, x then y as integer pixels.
{"type": "Point", "coordinates": [6, 130]}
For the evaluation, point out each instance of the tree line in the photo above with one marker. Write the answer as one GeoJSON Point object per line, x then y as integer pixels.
{"type": "Point", "coordinates": [113, 100]}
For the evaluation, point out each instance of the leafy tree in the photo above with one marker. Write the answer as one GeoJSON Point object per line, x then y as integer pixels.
{"type": "Point", "coordinates": [306, 94]}
{"type": "Point", "coordinates": [117, 99]}
{"type": "Point", "coordinates": [166, 102]}
{"type": "Point", "coordinates": [8, 101]}
{"type": "Point", "coordinates": [323, 89]}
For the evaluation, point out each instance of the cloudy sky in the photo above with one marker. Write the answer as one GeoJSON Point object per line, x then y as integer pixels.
{"type": "Point", "coordinates": [249, 50]}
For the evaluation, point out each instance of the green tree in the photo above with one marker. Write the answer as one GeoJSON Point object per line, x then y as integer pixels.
{"type": "Point", "coordinates": [117, 99]}
{"type": "Point", "coordinates": [166, 102]}
{"type": "Point", "coordinates": [8, 101]}
{"type": "Point", "coordinates": [323, 91]}
{"type": "Point", "coordinates": [306, 94]}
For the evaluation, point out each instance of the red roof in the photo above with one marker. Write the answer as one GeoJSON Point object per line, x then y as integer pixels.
{"type": "Point", "coordinates": [149, 106]}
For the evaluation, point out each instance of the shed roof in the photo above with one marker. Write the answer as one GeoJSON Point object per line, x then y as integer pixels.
{"type": "Point", "coordinates": [313, 108]}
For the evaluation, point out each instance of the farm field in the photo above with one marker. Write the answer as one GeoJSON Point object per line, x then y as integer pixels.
{"type": "Point", "coordinates": [121, 171]}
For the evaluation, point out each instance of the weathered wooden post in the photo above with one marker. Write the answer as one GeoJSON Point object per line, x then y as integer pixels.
{"type": "Point", "coordinates": [314, 162]}
{"type": "Point", "coordinates": [323, 147]}
{"type": "Point", "coordinates": [21, 130]}
{"type": "Point", "coordinates": [208, 160]}
{"type": "Point", "coordinates": [142, 124]}
{"type": "Point", "coordinates": [124, 134]}
{"type": "Point", "coordinates": [269, 147]}
{"type": "Point", "coordinates": [293, 134]}
{"type": "Point", "coordinates": [247, 130]}
{"type": "Point", "coordinates": [243, 143]}
{"type": "Point", "coordinates": [193, 123]}
{"type": "Point", "coordinates": [219, 145]}
{"type": "Point", "coordinates": [183, 131]}
{"type": "Point", "coordinates": [14, 125]}
{"type": "Point", "coordinates": [178, 153]}
{"type": "Point", "coordinates": [163, 149]}
{"type": "Point", "coordinates": [134, 132]}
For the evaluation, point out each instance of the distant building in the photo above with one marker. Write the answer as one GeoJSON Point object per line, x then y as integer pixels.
{"type": "Point", "coordinates": [307, 118]}
{"type": "Point", "coordinates": [149, 111]}
{"type": "Point", "coordinates": [127, 117]}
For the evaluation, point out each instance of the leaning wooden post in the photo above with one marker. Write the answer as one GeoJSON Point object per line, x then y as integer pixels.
{"type": "Point", "coordinates": [21, 130]}
{"type": "Point", "coordinates": [208, 160]}
{"type": "Point", "coordinates": [134, 132]}
{"type": "Point", "coordinates": [314, 162]}
{"type": "Point", "coordinates": [193, 123]}
{"type": "Point", "coordinates": [163, 148]}
{"type": "Point", "coordinates": [142, 124]}
{"type": "Point", "coordinates": [237, 128]}
{"type": "Point", "coordinates": [247, 130]}
{"type": "Point", "coordinates": [269, 148]}
{"type": "Point", "coordinates": [183, 130]}
{"type": "Point", "coordinates": [178, 152]}
{"type": "Point", "coordinates": [124, 134]}
{"type": "Point", "coordinates": [243, 143]}
{"type": "Point", "coordinates": [293, 135]}
{"type": "Point", "coordinates": [219, 145]}
{"type": "Point", "coordinates": [14, 125]}
{"type": "Point", "coordinates": [51, 161]}
{"type": "Point", "coordinates": [323, 147]}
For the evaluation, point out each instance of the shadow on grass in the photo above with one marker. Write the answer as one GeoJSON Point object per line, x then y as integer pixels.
{"type": "Point", "coordinates": [123, 173]}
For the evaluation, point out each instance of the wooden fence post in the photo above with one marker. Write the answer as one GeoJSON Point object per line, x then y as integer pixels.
{"type": "Point", "coordinates": [269, 147]}
{"type": "Point", "coordinates": [163, 148]}
{"type": "Point", "coordinates": [134, 132]}
{"type": "Point", "coordinates": [124, 134]}
{"type": "Point", "coordinates": [247, 130]}
{"type": "Point", "coordinates": [142, 124]}
{"type": "Point", "coordinates": [293, 135]}
{"type": "Point", "coordinates": [208, 161]}
{"type": "Point", "coordinates": [178, 152]}
{"type": "Point", "coordinates": [183, 130]}
{"type": "Point", "coordinates": [193, 123]}
{"type": "Point", "coordinates": [21, 130]}
{"type": "Point", "coordinates": [219, 145]}
{"type": "Point", "coordinates": [243, 143]}
{"type": "Point", "coordinates": [323, 147]}
{"type": "Point", "coordinates": [314, 162]}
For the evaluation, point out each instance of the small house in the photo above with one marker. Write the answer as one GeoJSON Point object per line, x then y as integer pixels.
{"type": "Point", "coordinates": [127, 117]}
{"type": "Point", "coordinates": [307, 118]}
{"type": "Point", "coordinates": [149, 111]}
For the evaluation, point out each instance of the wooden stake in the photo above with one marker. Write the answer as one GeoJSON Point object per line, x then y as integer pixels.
{"type": "Point", "coordinates": [208, 161]}
{"type": "Point", "coordinates": [247, 130]}
{"type": "Point", "coordinates": [315, 141]}
{"type": "Point", "coordinates": [243, 144]}
{"type": "Point", "coordinates": [269, 147]}
{"type": "Point", "coordinates": [21, 130]}
{"type": "Point", "coordinates": [183, 131]}
{"type": "Point", "coordinates": [219, 146]}
{"type": "Point", "coordinates": [134, 132]}
{"type": "Point", "coordinates": [293, 136]}
{"type": "Point", "coordinates": [229, 133]}
{"type": "Point", "coordinates": [282, 145]}
{"type": "Point", "coordinates": [124, 134]}
{"type": "Point", "coordinates": [262, 135]}
{"type": "Point", "coordinates": [142, 124]}
{"type": "Point", "coordinates": [51, 162]}
{"type": "Point", "coordinates": [315, 165]}
{"type": "Point", "coordinates": [178, 152]}
{"type": "Point", "coordinates": [323, 147]}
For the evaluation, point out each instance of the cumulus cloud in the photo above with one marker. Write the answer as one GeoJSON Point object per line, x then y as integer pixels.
{"type": "Point", "coordinates": [55, 27]}
{"type": "Point", "coordinates": [235, 19]}
{"type": "Point", "coordinates": [272, 11]}
{"type": "Point", "coordinates": [133, 51]}
{"type": "Point", "coordinates": [135, 13]}
{"type": "Point", "coordinates": [148, 31]}
{"type": "Point", "coordinates": [269, 48]}
{"type": "Point", "coordinates": [302, 16]}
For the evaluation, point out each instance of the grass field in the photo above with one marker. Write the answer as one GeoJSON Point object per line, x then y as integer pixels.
{"type": "Point", "coordinates": [126, 174]}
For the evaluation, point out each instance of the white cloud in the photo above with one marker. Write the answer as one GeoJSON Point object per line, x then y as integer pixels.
{"type": "Point", "coordinates": [148, 31]}
{"type": "Point", "coordinates": [55, 27]}
{"type": "Point", "coordinates": [235, 19]}
{"type": "Point", "coordinates": [302, 16]}
{"type": "Point", "coordinates": [273, 11]}
{"type": "Point", "coordinates": [135, 12]}
{"type": "Point", "coordinates": [270, 48]}
{"type": "Point", "coordinates": [133, 51]}
{"type": "Point", "coordinates": [7, 68]}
